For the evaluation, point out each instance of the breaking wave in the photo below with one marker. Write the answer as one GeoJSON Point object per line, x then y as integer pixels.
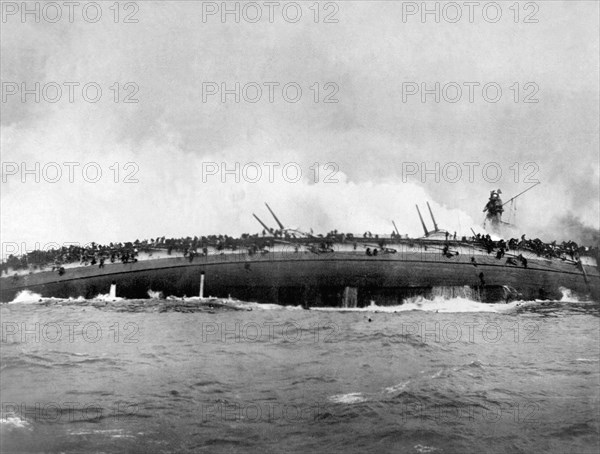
{"type": "Point", "coordinates": [107, 297]}
{"type": "Point", "coordinates": [568, 296]}
{"type": "Point", "coordinates": [441, 304]}
{"type": "Point", "coordinates": [29, 297]}
{"type": "Point", "coordinates": [271, 307]}
{"type": "Point", "coordinates": [26, 297]}
{"type": "Point", "coordinates": [436, 304]}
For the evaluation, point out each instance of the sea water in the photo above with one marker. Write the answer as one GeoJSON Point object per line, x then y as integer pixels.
{"type": "Point", "coordinates": [430, 376]}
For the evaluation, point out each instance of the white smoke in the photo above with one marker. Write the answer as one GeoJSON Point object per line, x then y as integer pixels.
{"type": "Point", "coordinates": [369, 133]}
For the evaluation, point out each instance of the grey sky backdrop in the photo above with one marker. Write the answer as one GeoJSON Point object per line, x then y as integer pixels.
{"type": "Point", "coordinates": [369, 133]}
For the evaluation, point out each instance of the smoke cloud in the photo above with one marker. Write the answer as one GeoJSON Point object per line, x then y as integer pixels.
{"type": "Point", "coordinates": [370, 134]}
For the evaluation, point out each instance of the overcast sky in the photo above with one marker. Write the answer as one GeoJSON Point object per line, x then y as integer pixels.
{"type": "Point", "coordinates": [368, 53]}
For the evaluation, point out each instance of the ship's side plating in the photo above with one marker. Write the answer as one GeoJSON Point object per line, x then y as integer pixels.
{"type": "Point", "coordinates": [345, 277]}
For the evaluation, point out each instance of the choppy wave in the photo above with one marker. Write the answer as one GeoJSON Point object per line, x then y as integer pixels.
{"type": "Point", "coordinates": [440, 393]}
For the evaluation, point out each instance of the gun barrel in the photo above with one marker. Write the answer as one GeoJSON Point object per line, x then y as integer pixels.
{"type": "Point", "coordinates": [422, 222]}
{"type": "Point", "coordinates": [273, 214]}
{"type": "Point", "coordinates": [432, 218]}
{"type": "Point", "coordinates": [261, 223]}
{"type": "Point", "coordinates": [396, 228]}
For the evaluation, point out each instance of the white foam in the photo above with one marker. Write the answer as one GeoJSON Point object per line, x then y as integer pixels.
{"type": "Point", "coordinates": [437, 374]}
{"type": "Point", "coordinates": [399, 387]}
{"type": "Point", "coordinates": [27, 297]}
{"type": "Point", "coordinates": [567, 296]}
{"type": "Point", "coordinates": [118, 432]}
{"type": "Point", "coordinates": [457, 304]}
{"type": "Point", "coordinates": [437, 304]}
{"type": "Point", "coordinates": [108, 298]}
{"type": "Point", "coordinates": [155, 295]}
{"type": "Point", "coordinates": [271, 307]}
{"type": "Point", "coordinates": [13, 421]}
{"type": "Point", "coordinates": [425, 449]}
{"type": "Point", "coordinates": [351, 398]}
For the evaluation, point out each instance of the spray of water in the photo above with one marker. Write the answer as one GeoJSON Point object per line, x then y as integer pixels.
{"type": "Point", "coordinates": [27, 297]}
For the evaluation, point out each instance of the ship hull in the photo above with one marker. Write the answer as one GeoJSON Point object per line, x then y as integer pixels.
{"type": "Point", "coordinates": [309, 279]}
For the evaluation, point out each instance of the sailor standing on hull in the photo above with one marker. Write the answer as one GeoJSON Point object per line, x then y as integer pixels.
{"type": "Point", "coordinates": [494, 207]}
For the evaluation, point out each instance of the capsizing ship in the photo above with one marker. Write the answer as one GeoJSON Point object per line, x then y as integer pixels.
{"type": "Point", "coordinates": [286, 266]}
